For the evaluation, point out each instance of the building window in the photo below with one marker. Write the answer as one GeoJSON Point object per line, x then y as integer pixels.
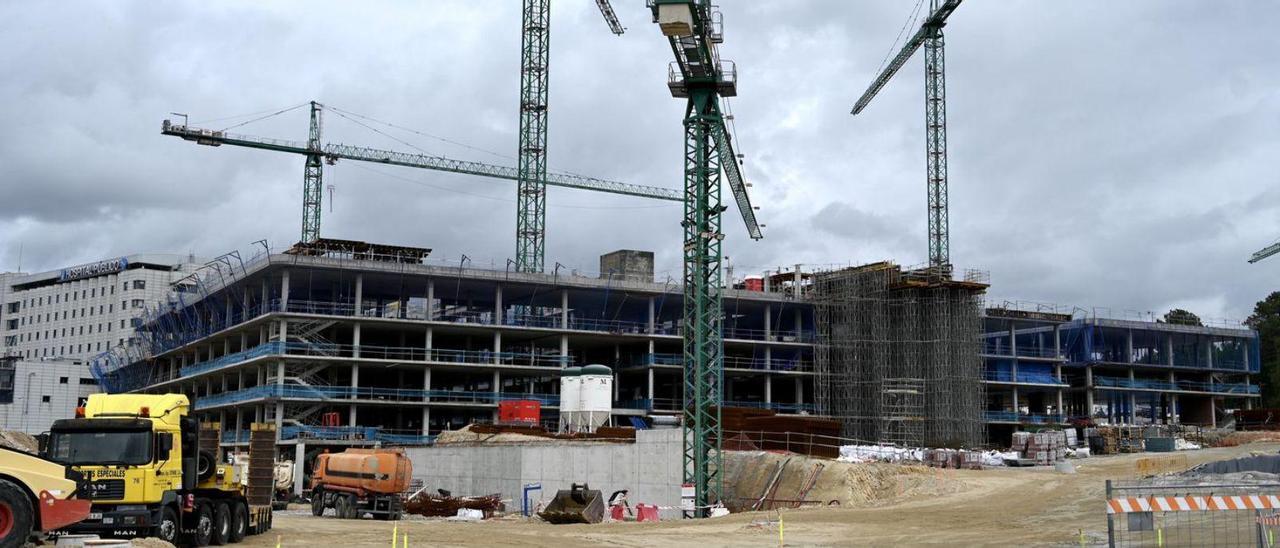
{"type": "Point", "coordinates": [62, 380]}
{"type": "Point", "coordinates": [90, 381]}
{"type": "Point", "coordinates": [111, 308]}
{"type": "Point", "coordinates": [139, 284]}
{"type": "Point", "coordinates": [45, 399]}
{"type": "Point", "coordinates": [113, 289]}
{"type": "Point", "coordinates": [137, 303]}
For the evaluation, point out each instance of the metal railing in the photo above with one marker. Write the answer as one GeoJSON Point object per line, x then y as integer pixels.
{"type": "Point", "coordinates": [326, 393]}
{"type": "Point", "coordinates": [673, 404]}
{"type": "Point", "coordinates": [397, 353]}
{"type": "Point", "coordinates": [999, 375]}
{"type": "Point", "coordinates": [1186, 386]}
{"type": "Point", "coordinates": [730, 362]}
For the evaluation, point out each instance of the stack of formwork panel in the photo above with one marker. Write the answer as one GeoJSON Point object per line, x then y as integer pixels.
{"type": "Point", "coordinates": [262, 455]}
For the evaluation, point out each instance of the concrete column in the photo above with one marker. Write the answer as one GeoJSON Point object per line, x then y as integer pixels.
{"type": "Point", "coordinates": [1058, 409]}
{"type": "Point", "coordinates": [358, 309]}
{"type": "Point", "coordinates": [1133, 401]}
{"type": "Point", "coordinates": [1128, 346]}
{"type": "Point", "coordinates": [431, 299]}
{"type": "Point", "coordinates": [280, 373]}
{"type": "Point", "coordinates": [244, 341]}
{"type": "Point", "coordinates": [426, 383]}
{"type": "Point", "coordinates": [284, 330]}
{"type": "Point", "coordinates": [564, 351]}
{"type": "Point", "coordinates": [239, 421]}
{"type": "Point", "coordinates": [768, 358]}
{"type": "Point", "coordinates": [497, 383]}
{"type": "Point", "coordinates": [1013, 340]}
{"type": "Point", "coordinates": [564, 309]}
{"type": "Point", "coordinates": [768, 322]}
{"type": "Point", "coordinates": [1208, 354]}
{"type": "Point", "coordinates": [1213, 412]}
{"type": "Point", "coordinates": [768, 388]}
{"type": "Point", "coordinates": [1088, 390]}
{"type": "Point", "coordinates": [299, 458]}
{"type": "Point", "coordinates": [1013, 369]}
{"type": "Point", "coordinates": [497, 346]}
{"type": "Point", "coordinates": [1017, 409]}
{"type": "Point", "coordinates": [1173, 409]}
{"type": "Point", "coordinates": [1057, 341]}
{"type": "Point", "coordinates": [355, 340]}
{"type": "Point", "coordinates": [652, 317]}
{"type": "Point", "coordinates": [426, 421]}
{"type": "Point", "coordinates": [284, 291]}
{"type": "Point", "coordinates": [497, 305]}
{"type": "Point", "coordinates": [799, 391]}
{"type": "Point", "coordinates": [1168, 349]}
{"type": "Point", "coordinates": [649, 372]}
{"type": "Point", "coordinates": [279, 419]}
{"type": "Point", "coordinates": [355, 383]}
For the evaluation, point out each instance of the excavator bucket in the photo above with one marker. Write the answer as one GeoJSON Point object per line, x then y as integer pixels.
{"type": "Point", "coordinates": [579, 504]}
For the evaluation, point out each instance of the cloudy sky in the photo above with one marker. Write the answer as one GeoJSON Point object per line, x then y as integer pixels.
{"type": "Point", "coordinates": [1102, 154]}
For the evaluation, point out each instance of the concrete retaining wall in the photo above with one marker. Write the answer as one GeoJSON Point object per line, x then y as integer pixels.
{"type": "Point", "coordinates": [649, 469]}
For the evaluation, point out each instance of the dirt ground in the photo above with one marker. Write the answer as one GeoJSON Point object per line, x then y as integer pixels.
{"type": "Point", "coordinates": [1005, 507]}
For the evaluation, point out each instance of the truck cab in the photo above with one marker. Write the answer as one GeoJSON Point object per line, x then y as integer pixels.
{"type": "Point", "coordinates": [147, 476]}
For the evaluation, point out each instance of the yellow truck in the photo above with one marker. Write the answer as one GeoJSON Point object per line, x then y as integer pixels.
{"type": "Point", "coordinates": [36, 495]}
{"type": "Point", "coordinates": [147, 475]}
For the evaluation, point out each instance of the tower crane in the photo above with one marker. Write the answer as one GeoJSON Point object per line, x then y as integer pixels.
{"type": "Point", "coordinates": [1265, 252]}
{"type": "Point", "coordinates": [700, 76]}
{"type": "Point", "coordinates": [531, 181]}
{"type": "Point", "coordinates": [935, 89]}
{"type": "Point", "coordinates": [318, 153]}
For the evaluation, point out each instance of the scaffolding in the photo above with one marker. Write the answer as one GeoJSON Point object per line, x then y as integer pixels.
{"type": "Point", "coordinates": [897, 354]}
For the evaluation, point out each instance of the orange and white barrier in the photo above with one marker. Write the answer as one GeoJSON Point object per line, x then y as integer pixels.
{"type": "Point", "coordinates": [1192, 503]}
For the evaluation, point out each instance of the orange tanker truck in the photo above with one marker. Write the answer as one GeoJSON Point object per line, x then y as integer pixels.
{"type": "Point", "coordinates": [361, 481]}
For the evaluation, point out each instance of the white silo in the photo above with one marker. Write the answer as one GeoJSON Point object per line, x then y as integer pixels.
{"type": "Point", "coordinates": [595, 403]}
{"type": "Point", "coordinates": [570, 397]}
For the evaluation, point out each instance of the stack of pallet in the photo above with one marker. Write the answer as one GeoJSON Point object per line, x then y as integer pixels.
{"type": "Point", "coordinates": [1043, 448]}
{"type": "Point", "coordinates": [953, 458]}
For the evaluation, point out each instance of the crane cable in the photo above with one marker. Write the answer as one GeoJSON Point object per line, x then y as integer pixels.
{"type": "Point", "coordinates": [276, 113]}
{"type": "Point", "coordinates": [909, 23]}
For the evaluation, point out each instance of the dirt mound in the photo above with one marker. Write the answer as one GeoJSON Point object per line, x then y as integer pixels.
{"type": "Point", "coordinates": [465, 435]}
{"type": "Point", "coordinates": [150, 543]}
{"type": "Point", "coordinates": [748, 474]}
{"type": "Point", "coordinates": [19, 440]}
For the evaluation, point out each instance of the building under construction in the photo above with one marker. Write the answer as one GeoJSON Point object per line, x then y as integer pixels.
{"type": "Point", "coordinates": [897, 354]}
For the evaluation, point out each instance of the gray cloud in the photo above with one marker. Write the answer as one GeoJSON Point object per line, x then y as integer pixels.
{"type": "Point", "coordinates": [1101, 153]}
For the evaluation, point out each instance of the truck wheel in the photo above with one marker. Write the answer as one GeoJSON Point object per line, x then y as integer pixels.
{"type": "Point", "coordinates": [206, 464]}
{"type": "Point", "coordinates": [15, 515]}
{"type": "Point", "coordinates": [221, 524]}
{"type": "Point", "coordinates": [317, 503]}
{"type": "Point", "coordinates": [204, 526]}
{"type": "Point", "coordinates": [167, 529]}
{"type": "Point", "coordinates": [239, 522]}
{"type": "Point", "coordinates": [340, 507]}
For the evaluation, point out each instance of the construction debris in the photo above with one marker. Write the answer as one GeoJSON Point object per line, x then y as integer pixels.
{"type": "Point", "coordinates": [443, 505]}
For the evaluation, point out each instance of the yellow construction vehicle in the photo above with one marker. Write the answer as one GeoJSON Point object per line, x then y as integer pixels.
{"type": "Point", "coordinates": [36, 495]}
{"type": "Point", "coordinates": [148, 476]}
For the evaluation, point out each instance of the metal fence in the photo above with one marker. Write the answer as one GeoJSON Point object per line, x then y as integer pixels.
{"type": "Point", "coordinates": [1164, 512]}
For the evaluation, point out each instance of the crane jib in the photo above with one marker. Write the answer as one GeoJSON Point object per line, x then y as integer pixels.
{"type": "Point", "coordinates": [422, 161]}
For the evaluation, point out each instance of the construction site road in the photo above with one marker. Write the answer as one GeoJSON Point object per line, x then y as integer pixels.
{"type": "Point", "coordinates": [995, 507]}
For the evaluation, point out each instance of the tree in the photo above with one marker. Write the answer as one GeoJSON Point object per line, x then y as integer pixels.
{"type": "Point", "coordinates": [1266, 321]}
{"type": "Point", "coordinates": [1180, 317]}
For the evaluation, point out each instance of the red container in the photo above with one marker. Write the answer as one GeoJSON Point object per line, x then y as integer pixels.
{"type": "Point", "coordinates": [519, 412]}
{"type": "Point", "coordinates": [754, 284]}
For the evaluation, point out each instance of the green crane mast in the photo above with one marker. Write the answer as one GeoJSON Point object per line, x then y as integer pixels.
{"type": "Point", "coordinates": [698, 75]}
{"type": "Point", "coordinates": [317, 152]}
{"type": "Point", "coordinates": [935, 106]}
{"type": "Point", "coordinates": [531, 184]}
{"type": "Point", "coordinates": [312, 182]}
